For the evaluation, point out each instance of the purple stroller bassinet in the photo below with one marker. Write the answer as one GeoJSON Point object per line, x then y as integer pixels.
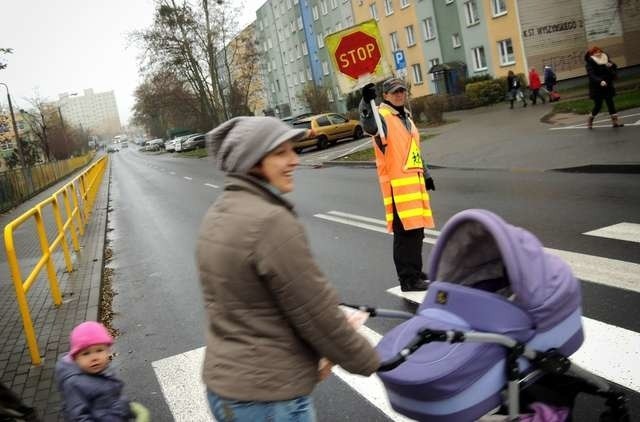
{"type": "Point", "coordinates": [491, 277]}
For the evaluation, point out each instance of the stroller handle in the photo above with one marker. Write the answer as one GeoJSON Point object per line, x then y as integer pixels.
{"type": "Point", "coordinates": [380, 312]}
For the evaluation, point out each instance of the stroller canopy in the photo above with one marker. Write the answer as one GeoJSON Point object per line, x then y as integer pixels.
{"type": "Point", "coordinates": [478, 249]}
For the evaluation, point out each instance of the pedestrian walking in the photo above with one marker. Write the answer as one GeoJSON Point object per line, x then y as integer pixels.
{"type": "Point", "coordinates": [90, 390]}
{"type": "Point", "coordinates": [549, 79]}
{"type": "Point", "coordinates": [515, 90]}
{"type": "Point", "coordinates": [404, 179]}
{"type": "Point", "coordinates": [602, 72]}
{"type": "Point", "coordinates": [271, 313]}
{"type": "Point", "coordinates": [535, 85]}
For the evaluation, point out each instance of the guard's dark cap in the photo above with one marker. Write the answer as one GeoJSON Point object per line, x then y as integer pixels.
{"type": "Point", "coordinates": [392, 85]}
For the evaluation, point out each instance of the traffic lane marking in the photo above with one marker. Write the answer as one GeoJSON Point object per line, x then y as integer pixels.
{"type": "Point", "coordinates": [609, 272]}
{"type": "Point", "coordinates": [584, 125]}
{"type": "Point", "coordinates": [629, 232]}
{"type": "Point", "coordinates": [188, 178]}
{"type": "Point", "coordinates": [211, 185]}
{"type": "Point", "coordinates": [608, 351]}
{"type": "Point", "coordinates": [181, 383]}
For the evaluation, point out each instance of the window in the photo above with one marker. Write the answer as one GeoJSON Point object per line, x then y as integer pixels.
{"type": "Point", "coordinates": [305, 51]}
{"type": "Point", "coordinates": [330, 95]}
{"type": "Point", "coordinates": [373, 11]}
{"type": "Point", "coordinates": [479, 61]}
{"type": "Point", "coordinates": [325, 67]}
{"type": "Point", "coordinates": [288, 4]}
{"type": "Point", "coordinates": [315, 13]}
{"type": "Point", "coordinates": [320, 40]}
{"type": "Point", "coordinates": [338, 26]}
{"type": "Point", "coordinates": [323, 121]}
{"type": "Point", "coordinates": [433, 62]}
{"type": "Point", "coordinates": [260, 26]}
{"type": "Point", "coordinates": [471, 12]}
{"type": "Point", "coordinates": [455, 39]}
{"type": "Point", "coordinates": [417, 73]}
{"type": "Point", "coordinates": [334, 4]}
{"type": "Point", "coordinates": [298, 51]}
{"type": "Point", "coordinates": [278, 84]}
{"type": "Point", "coordinates": [291, 56]}
{"type": "Point", "coordinates": [301, 75]}
{"type": "Point", "coordinates": [505, 48]}
{"type": "Point", "coordinates": [427, 29]}
{"type": "Point", "coordinates": [273, 64]}
{"type": "Point", "coordinates": [308, 72]}
{"type": "Point", "coordinates": [410, 39]}
{"type": "Point", "coordinates": [499, 7]}
{"type": "Point", "coordinates": [394, 41]}
{"type": "Point", "coordinates": [404, 3]}
{"type": "Point", "coordinates": [323, 7]}
{"type": "Point", "coordinates": [269, 44]}
{"type": "Point", "coordinates": [292, 26]}
{"type": "Point", "coordinates": [299, 22]}
{"type": "Point", "coordinates": [337, 119]}
{"type": "Point", "coordinates": [388, 7]}
{"type": "Point", "coordinates": [449, 1]}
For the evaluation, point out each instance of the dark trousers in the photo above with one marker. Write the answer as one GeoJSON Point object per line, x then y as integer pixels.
{"type": "Point", "coordinates": [535, 94]}
{"type": "Point", "coordinates": [407, 249]}
{"type": "Point", "coordinates": [597, 105]}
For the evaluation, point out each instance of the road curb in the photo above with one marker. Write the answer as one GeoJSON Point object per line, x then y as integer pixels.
{"type": "Point", "coordinates": [620, 168]}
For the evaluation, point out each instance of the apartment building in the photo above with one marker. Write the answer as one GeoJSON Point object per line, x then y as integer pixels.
{"type": "Point", "coordinates": [243, 57]}
{"type": "Point", "coordinates": [399, 28]}
{"type": "Point", "coordinates": [97, 112]}
{"type": "Point", "coordinates": [291, 35]}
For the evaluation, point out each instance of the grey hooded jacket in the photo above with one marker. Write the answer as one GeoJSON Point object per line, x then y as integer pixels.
{"type": "Point", "coordinates": [90, 398]}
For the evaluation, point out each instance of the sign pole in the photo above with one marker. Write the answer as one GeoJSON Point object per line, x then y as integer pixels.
{"type": "Point", "coordinates": [376, 116]}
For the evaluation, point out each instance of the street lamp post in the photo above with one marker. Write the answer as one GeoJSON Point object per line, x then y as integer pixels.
{"type": "Point", "coordinates": [15, 127]}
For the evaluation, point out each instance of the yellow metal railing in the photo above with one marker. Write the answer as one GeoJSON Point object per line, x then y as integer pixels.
{"type": "Point", "coordinates": [77, 197]}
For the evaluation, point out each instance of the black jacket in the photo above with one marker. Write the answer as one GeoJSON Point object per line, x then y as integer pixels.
{"type": "Point", "coordinates": [598, 73]}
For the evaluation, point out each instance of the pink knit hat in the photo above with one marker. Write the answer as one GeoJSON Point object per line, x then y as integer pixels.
{"type": "Point", "coordinates": [87, 334]}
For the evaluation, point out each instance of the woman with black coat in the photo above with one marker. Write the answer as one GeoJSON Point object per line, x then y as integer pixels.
{"type": "Point", "coordinates": [602, 72]}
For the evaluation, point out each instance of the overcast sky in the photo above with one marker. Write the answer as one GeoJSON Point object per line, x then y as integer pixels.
{"type": "Point", "coordinates": [71, 45]}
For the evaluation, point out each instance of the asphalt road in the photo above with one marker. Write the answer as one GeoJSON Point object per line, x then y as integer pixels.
{"type": "Point", "coordinates": [158, 201]}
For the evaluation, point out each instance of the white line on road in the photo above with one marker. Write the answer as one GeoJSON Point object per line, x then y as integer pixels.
{"type": "Point", "coordinates": [584, 125]}
{"type": "Point", "coordinates": [172, 172]}
{"type": "Point", "coordinates": [212, 186]}
{"type": "Point", "coordinates": [188, 178]}
{"type": "Point", "coordinates": [621, 231]}
{"type": "Point", "coordinates": [179, 377]}
{"type": "Point", "coordinates": [608, 351]}
{"type": "Point", "coordinates": [605, 271]}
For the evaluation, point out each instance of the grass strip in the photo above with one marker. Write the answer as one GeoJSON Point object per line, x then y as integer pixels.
{"type": "Point", "coordinates": [623, 101]}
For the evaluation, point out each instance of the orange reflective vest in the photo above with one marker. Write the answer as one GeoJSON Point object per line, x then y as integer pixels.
{"type": "Point", "coordinates": [401, 173]}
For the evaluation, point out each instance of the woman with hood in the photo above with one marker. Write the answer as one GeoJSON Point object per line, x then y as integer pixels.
{"type": "Point", "coordinates": [271, 313]}
{"type": "Point", "coordinates": [602, 72]}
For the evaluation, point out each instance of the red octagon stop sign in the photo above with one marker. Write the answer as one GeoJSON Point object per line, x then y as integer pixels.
{"type": "Point", "coordinates": [357, 54]}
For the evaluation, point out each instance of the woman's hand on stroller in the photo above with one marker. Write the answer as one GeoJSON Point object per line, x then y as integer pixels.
{"type": "Point", "coordinates": [324, 369]}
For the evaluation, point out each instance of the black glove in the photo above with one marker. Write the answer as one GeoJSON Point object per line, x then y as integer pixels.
{"type": "Point", "coordinates": [428, 183]}
{"type": "Point", "coordinates": [369, 93]}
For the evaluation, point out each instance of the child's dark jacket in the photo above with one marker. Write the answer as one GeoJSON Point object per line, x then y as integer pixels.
{"type": "Point", "coordinates": [86, 397]}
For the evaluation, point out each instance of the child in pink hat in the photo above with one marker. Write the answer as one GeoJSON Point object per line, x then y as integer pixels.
{"type": "Point", "coordinates": [89, 389]}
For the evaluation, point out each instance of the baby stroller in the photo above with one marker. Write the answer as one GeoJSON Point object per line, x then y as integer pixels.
{"type": "Point", "coordinates": [494, 331]}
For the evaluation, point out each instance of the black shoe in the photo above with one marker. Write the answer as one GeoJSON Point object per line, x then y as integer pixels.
{"type": "Point", "coordinates": [424, 276]}
{"type": "Point", "coordinates": [414, 285]}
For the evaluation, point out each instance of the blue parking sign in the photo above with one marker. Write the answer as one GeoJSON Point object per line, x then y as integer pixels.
{"type": "Point", "coordinates": [398, 57]}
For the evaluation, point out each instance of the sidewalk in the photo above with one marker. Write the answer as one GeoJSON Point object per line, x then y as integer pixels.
{"type": "Point", "coordinates": [80, 295]}
{"type": "Point", "coordinates": [499, 138]}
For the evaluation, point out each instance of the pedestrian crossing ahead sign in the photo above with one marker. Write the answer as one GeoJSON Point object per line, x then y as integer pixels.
{"type": "Point", "coordinates": [414, 159]}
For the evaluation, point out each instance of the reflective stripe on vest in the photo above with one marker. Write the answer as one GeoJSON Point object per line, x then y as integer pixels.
{"type": "Point", "coordinates": [401, 180]}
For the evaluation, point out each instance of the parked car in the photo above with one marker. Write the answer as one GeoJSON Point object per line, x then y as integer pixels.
{"type": "Point", "coordinates": [153, 145]}
{"type": "Point", "coordinates": [328, 129]}
{"type": "Point", "coordinates": [193, 142]}
{"type": "Point", "coordinates": [292, 119]}
{"type": "Point", "coordinates": [112, 148]}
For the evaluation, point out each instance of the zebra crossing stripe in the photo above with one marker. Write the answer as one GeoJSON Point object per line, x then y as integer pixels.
{"type": "Point", "coordinates": [595, 269]}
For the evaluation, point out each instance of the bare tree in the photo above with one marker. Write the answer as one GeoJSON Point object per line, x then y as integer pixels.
{"type": "Point", "coordinates": [38, 120]}
{"type": "Point", "coordinates": [4, 51]}
{"type": "Point", "coordinates": [315, 97]}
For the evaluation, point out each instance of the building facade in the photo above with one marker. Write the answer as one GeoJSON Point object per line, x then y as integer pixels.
{"type": "Point", "coordinates": [95, 112]}
{"type": "Point", "coordinates": [291, 38]}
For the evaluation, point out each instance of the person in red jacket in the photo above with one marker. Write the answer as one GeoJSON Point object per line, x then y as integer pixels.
{"type": "Point", "coordinates": [534, 85]}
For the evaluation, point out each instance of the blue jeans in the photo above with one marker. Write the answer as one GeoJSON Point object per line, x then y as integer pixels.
{"type": "Point", "coordinates": [299, 409]}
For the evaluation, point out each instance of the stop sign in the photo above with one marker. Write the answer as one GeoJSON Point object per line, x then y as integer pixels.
{"type": "Point", "coordinates": [357, 54]}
